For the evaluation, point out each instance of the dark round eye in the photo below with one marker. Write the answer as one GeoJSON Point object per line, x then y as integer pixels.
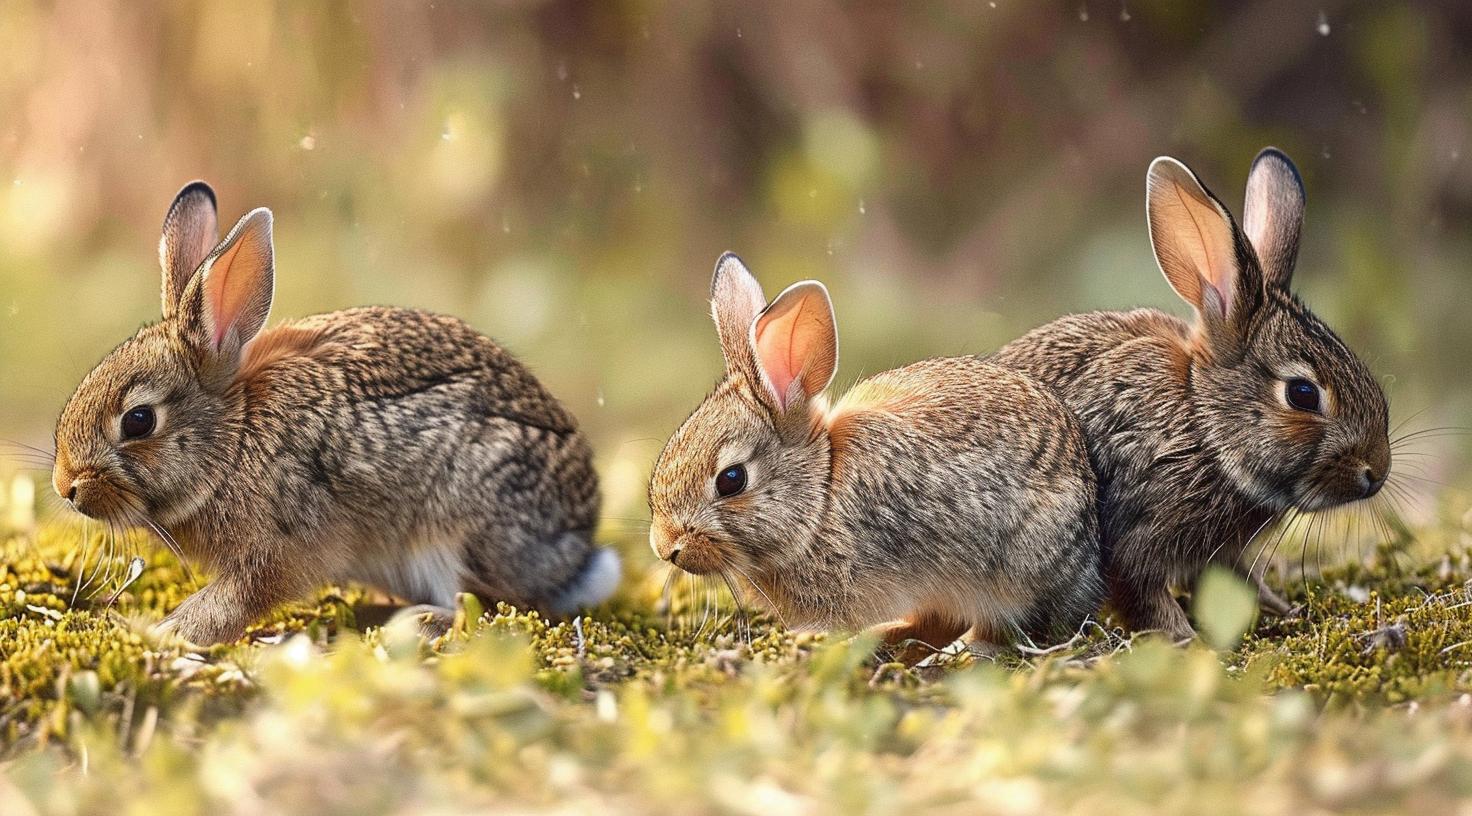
{"type": "Point", "coordinates": [1303, 395]}
{"type": "Point", "coordinates": [731, 481]}
{"type": "Point", "coordinates": [138, 422]}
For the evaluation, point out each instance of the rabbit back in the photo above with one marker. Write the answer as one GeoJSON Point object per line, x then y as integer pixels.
{"type": "Point", "coordinates": [1163, 500]}
{"type": "Point", "coordinates": [969, 483]}
{"type": "Point", "coordinates": [407, 450]}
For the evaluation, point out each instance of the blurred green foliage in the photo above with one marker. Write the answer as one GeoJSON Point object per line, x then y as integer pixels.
{"type": "Point", "coordinates": [663, 703]}
{"type": "Point", "coordinates": [563, 174]}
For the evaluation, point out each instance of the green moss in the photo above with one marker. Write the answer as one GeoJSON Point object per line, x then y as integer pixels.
{"type": "Point", "coordinates": [648, 705]}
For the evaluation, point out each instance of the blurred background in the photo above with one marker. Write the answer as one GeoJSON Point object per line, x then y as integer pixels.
{"type": "Point", "coordinates": [564, 175]}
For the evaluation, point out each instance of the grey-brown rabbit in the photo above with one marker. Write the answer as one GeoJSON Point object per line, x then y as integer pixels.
{"type": "Point", "coordinates": [1202, 434]}
{"type": "Point", "coordinates": [390, 446]}
{"type": "Point", "coordinates": [939, 497]}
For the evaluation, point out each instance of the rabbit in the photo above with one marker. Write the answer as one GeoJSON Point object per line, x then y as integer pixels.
{"type": "Point", "coordinates": [1204, 433]}
{"type": "Point", "coordinates": [945, 498]}
{"type": "Point", "coordinates": [393, 447]}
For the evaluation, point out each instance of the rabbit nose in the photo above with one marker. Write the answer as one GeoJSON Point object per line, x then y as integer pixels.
{"type": "Point", "coordinates": [665, 541]}
{"type": "Point", "coordinates": [1370, 482]}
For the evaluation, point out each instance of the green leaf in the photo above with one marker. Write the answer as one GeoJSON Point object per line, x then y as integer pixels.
{"type": "Point", "coordinates": [1225, 607]}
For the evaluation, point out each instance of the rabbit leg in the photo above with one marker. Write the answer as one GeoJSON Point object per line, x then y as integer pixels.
{"type": "Point", "coordinates": [986, 641]}
{"type": "Point", "coordinates": [1268, 600]}
{"type": "Point", "coordinates": [921, 635]}
{"type": "Point", "coordinates": [1151, 607]}
{"type": "Point", "coordinates": [219, 612]}
{"type": "Point", "coordinates": [434, 621]}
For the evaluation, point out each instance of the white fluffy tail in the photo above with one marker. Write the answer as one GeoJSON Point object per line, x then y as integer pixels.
{"type": "Point", "coordinates": [592, 586]}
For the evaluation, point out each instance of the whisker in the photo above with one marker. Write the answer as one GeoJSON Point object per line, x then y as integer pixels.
{"type": "Point", "coordinates": [1431, 433]}
{"type": "Point", "coordinates": [173, 545]}
{"type": "Point", "coordinates": [1403, 422]}
{"type": "Point", "coordinates": [50, 456]}
{"type": "Point", "coordinates": [754, 585]}
{"type": "Point", "coordinates": [666, 598]}
{"type": "Point", "coordinates": [740, 610]}
{"type": "Point", "coordinates": [1423, 479]}
{"type": "Point", "coordinates": [704, 583]}
{"type": "Point", "coordinates": [1248, 544]}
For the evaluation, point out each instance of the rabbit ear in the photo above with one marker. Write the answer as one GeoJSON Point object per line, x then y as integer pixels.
{"type": "Point", "coordinates": [1195, 244]}
{"type": "Point", "coordinates": [191, 230]}
{"type": "Point", "coordinates": [735, 300]}
{"type": "Point", "coordinates": [226, 304]}
{"type": "Point", "coordinates": [796, 343]}
{"type": "Point", "coordinates": [1272, 216]}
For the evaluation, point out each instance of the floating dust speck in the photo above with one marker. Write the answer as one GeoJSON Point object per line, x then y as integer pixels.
{"type": "Point", "coordinates": [1323, 25]}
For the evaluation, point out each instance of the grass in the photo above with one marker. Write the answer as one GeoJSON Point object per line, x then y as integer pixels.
{"type": "Point", "coordinates": [1359, 704]}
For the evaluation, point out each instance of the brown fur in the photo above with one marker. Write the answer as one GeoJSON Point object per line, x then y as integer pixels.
{"type": "Point", "coordinates": [948, 488]}
{"type": "Point", "coordinates": [394, 447]}
{"type": "Point", "coordinates": [277, 345]}
{"type": "Point", "coordinates": [1195, 449]}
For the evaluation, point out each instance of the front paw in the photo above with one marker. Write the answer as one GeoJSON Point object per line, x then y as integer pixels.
{"type": "Point", "coordinates": [1273, 604]}
{"type": "Point", "coordinates": [198, 622]}
{"type": "Point", "coordinates": [432, 621]}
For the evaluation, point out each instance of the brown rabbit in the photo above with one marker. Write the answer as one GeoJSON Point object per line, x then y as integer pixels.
{"type": "Point", "coordinates": [1204, 433]}
{"type": "Point", "coordinates": [949, 495]}
{"type": "Point", "coordinates": [389, 446]}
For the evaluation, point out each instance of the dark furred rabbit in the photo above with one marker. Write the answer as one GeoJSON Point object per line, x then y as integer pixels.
{"type": "Point", "coordinates": [390, 446]}
{"type": "Point", "coordinates": [1204, 433]}
{"type": "Point", "coordinates": [940, 497]}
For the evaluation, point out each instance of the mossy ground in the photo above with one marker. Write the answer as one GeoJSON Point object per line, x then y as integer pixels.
{"type": "Point", "coordinates": [1363, 702]}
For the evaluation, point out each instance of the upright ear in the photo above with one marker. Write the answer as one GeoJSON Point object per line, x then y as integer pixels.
{"type": "Point", "coordinates": [227, 302]}
{"type": "Point", "coordinates": [1195, 244]}
{"type": "Point", "coordinates": [796, 344]}
{"type": "Point", "coordinates": [191, 230]}
{"type": "Point", "coordinates": [1272, 216]}
{"type": "Point", "coordinates": [735, 300]}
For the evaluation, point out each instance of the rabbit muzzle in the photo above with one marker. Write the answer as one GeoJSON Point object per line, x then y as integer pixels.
{"type": "Point", "coordinates": [691, 552]}
{"type": "Point", "coordinates": [89, 493]}
{"type": "Point", "coordinates": [1352, 478]}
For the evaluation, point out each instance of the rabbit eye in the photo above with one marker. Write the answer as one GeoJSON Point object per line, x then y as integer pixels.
{"type": "Point", "coordinates": [1303, 395]}
{"type": "Point", "coordinates": [138, 422]}
{"type": "Point", "coordinates": [731, 481]}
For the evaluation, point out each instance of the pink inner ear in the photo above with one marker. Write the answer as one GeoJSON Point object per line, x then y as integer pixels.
{"type": "Point", "coordinates": [221, 292]}
{"type": "Point", "coordinates": [785, 343]}
{"type": "Point", "coordinates": [233, 280]}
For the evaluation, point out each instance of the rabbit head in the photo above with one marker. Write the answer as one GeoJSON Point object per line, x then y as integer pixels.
{"type": "Point", "coordinates": [144, 435]}
{"type": "Point", "coordinates": [744, 481]}
{"type": "Point", "coordinates": [1295, 418]}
